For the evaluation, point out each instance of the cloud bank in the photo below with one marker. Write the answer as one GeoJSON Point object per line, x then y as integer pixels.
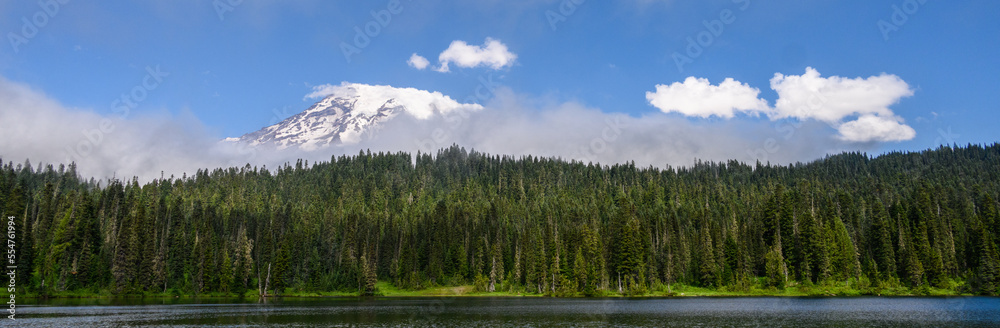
{"type": "Point", "coordinates": [858, 108]}
{"type": "Point", "coordinates": [522, 125]}
{"type": "Point", "coordinates": [35, 127]}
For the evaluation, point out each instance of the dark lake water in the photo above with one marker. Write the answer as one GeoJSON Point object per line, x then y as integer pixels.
{"type": "Point", "coordinates": [522, 312]}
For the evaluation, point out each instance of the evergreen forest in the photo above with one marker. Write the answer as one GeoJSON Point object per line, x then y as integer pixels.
{"type": "Point", "coordinates": [897, 223]}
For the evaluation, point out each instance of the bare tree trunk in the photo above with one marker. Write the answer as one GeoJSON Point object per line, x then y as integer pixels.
{"type": "Point", "coordinates": [262, 290]}
{"type": "Point", "coordinates": [493, 276]}
{"type": "Point", "coordinates": [267, 283]}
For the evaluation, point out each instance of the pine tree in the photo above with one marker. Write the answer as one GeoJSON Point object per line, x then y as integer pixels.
{"type": "Point", "coordinates": [987, 277]}
{"type": "Point", "coordinates": [814, 248]}
{"type": "Point", "coordinates": [125, 255]}
{"type": "Point", "coordinates": [282, 266]}
{"type": "Point", "coordinates": [579, 272]}
{"type": "Point", "coordinates": [555, 266]}
{"type": "Point", "coordinates": [595, 261]}
{"type": "Point", "coordinates": [777, 272]}
{"type": "Point", "coordinates": [496, 266]}
{"type": "Point", "coordinates": [913, 270]}
{"type": "Point", "coordinates": [15, 205]}
{"type": "Point", "coordinates": [541, 267]}
{"type": "Point", "coordinates": [226, 281]}
{"type": "Point", "coordinates": [881, 241]}
{"type": "Point", "coordinates": [707, 270]}
{"type": "Point", "coordinates": [843, 255]}
{"type": "Point", "coordinates": [370, 277]}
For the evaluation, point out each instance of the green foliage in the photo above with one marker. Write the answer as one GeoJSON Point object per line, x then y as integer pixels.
{"type": "Point", "coordinates": [776, 271]}
{"type": "Point", "coordinates": [369, 277]}
{"type": "Point", "coordinates": [849, 223]}
{"type": "Point", "coordinates": [481, 283]}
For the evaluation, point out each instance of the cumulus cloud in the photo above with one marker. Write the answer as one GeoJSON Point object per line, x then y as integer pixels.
{"type": "Point", "coordinates": [493, 54]}
{"type": "Point", "coordinates": [830, 99]}
{"type": "Point", "coordinates": [869, 128]}
{"type": "Point", "coordinates": [418, 62]}
{"type": "Point", "coordinates": [862, 102]}
{"type": "Point", "coordinates": [697, 97]}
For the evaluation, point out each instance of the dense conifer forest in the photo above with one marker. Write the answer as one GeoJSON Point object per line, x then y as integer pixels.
{"type": "Point", "coordinates": [914, 221]}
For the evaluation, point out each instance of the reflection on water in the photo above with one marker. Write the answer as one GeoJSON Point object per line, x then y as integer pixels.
{"type": "Point", "coordinates": [530, 312]}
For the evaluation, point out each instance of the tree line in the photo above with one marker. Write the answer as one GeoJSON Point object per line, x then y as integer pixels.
{"type": "Point", "coordinates": [915, 220]}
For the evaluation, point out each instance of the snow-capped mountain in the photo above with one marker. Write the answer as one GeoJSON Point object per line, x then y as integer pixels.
{"type": "Point", "coordinates": [347, 112]}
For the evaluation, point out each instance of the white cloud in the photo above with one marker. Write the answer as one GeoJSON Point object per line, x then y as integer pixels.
{"type": "Point", "coordinates": [835, 99]}
{"type": "Point", "coordinates": [418, 62]}
{"type": "Point", "coordinates": [36, 127]}
{"type": "Point", "coordinates": [869, 128]}
{"type": "Point", "coordinates": [698, 97]}
{"type": "Point", "coordinates": [493, 54]}
{"type": "Point", "coordinates": [831, 99]}
{"type": "Point", "coordinates": [519, 125]}
{"type": "Point", "coordinates": [863, 102]}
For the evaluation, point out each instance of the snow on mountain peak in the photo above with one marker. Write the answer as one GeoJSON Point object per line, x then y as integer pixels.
{"type": "Point", "coordinates": [349, 111]}
{"type": "Point", "coordinates": [370, 98]}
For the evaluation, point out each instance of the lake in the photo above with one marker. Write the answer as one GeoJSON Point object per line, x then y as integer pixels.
{"type": "Point", "coordinates": [529, 312]}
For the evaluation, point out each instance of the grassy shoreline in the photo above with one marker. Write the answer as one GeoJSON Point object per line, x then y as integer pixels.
{"type": "Point", "coordinates": [387, 290]}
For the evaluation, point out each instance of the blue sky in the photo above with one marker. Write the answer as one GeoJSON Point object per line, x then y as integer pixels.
{"type": "Point", "coordinates": [236, 71]}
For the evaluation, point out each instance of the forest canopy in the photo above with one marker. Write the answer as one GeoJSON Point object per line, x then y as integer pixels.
{"type": "Point", "coordinates": [534, 225]}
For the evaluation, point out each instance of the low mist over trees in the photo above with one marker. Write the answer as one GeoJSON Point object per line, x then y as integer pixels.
{"type": "Point", "coordinates": [532, 225]}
